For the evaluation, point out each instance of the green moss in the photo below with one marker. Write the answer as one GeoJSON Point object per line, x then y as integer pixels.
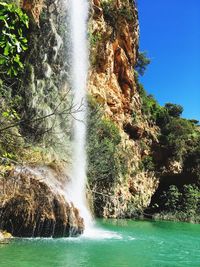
{"type": "Point", "coordinates": [94, 38]}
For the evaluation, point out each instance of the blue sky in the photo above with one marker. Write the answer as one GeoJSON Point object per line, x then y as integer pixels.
{"type": "Point", "coordinates": [170, 33]}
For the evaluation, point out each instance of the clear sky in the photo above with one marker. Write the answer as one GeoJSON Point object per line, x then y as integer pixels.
{"type": "Point", "coordinates": [170, 33]}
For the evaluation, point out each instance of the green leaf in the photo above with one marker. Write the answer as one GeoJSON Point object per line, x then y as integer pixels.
{"type": "Point", "coordinates": [13, 41]}
{"type": "Point", "coordinates": [2, 60]}
{"type": "Point", "coordinates": [6, 50]}
{"type": "Point", "coordinates": [5, 114]}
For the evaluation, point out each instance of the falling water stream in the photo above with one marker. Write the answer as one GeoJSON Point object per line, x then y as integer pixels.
{"type": "Point", "coordinates": [78, 13]}
{"type": "Point", "coordinates": [76, 189]}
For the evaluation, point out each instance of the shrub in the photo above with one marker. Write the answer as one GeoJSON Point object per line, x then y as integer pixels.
{"type": "Point", "coordinates": [176, 135]}
{"type": "Point", "coordinates": [183, 202]}
{"type": "Point", "coordinates": [13, 41]}
{"type": "Point", "coordinates": [148, 163]}
{"type": "Point", "coordinates": [172, 198]}
{"type": "Point", "coordinates": [194, 121]}
{"type": "Point", "coordinates": [150, 107]}
{"type": "Point", "coordinates": [10, 139]}
{"type": "Point", "coordinates": [191, 199]}
{"type": "Point", "coordinates": [103, 139]}
{"type": "Point", "coordinates": [142, 62]}
{"type": "Point", "coordinates": [111, 13]}
{"type": "Point", "coordinates": [192, 162]}
{"type": "Point", "coordinates": [162, 117]}
{"type": "Point", "coordinates": [95, 38]}
{"type": "Point", "coordinates": [174, 110]}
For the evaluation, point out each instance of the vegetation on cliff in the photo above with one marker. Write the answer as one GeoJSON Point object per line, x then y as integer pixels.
{"type": "Point", "coordinates": [29, 119]}
{"type": "Point", "coordinates": [175, 159]}
{"type": "Point", "coordinates": [166, 144]}
{"type": "Point", "coordinates": [13, 44]}
{"type": "Point", "coordinates": [140, 154]}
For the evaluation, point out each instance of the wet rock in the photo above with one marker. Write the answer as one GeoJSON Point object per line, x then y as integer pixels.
{"type": "Point", "coordinates": [1, 236]}
{"type": "Point", "coordinates": [44, 90]}
{"type": "Point", "coordinates": [5, 237]}
{"type": "Point", "coordinates": [33, 206]}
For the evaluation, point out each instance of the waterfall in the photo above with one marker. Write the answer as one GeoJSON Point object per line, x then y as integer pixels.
{"type": "Point", "coordinates": [79, 70]}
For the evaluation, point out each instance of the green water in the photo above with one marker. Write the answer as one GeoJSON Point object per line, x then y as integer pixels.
{"type": "Point", "coordinates": [123, 243]}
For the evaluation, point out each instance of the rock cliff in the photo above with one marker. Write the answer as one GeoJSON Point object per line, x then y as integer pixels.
{"type": "Point", "coordinates": [30, 205]}
{"type": "Point", "coordinates": [123, 140]}
{"type": "Point", "coordinates": [32, 202]}
{"type": "Point", "coordinates": [114, 37]}
{"type": "Point", "coordinates": [113, 33]}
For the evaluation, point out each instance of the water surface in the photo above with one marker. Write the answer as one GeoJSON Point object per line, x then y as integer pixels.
{"type": "Point", "coordinates": [121, 243]}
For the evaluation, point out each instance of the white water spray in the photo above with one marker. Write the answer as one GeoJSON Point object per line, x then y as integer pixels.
{"type": "Point", "coordinates": [76, 190]}
{"type": "Point", "coordinates": [79, 71]}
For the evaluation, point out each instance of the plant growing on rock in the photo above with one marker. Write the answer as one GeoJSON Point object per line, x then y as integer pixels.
{"type": "Point", "coordinates": [142, 62]}
{"type": "Point", "coordinates": [150, 107]}
{"type": "Point", "coordinates": [176, 135]}
{"type": "Point", "coordinates": [174, 110]}
{"type": "Point", "coordinates": [103, 138]}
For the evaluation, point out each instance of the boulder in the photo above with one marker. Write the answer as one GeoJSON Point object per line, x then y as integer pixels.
{"type": "Point", "coordinates": [33, 204]}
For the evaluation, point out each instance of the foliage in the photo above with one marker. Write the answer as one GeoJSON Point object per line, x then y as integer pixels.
{"type": "Point", "coordinates": [174, 110]}
{"type": "Point", "coordinates": [13, 42]}
{"type": "Point", "coordinates": [94, 38]}
{"type": "Point", "coordinates": [10, 140]}
{"type": "Point", "coordinates": [179, 201]}
{"type": "Point", "coordinates": [176, 136]}
{"type": "Point", "coordinates": [107, 8]}
{"type": "Point", "coordinates": [192, 162]}
{"type": "Point", "coordinates": [172, 198]}
{"type": "Point", "coordinates": [142, 62]}
{"type": "Point", "coordinates": [111, 13]}
{"type": "Point", "coordinates": [148, 163]}
{"type": "Point", "coordinates": [103, 140]}
{"type": "Point", "coordinates": [178, 141]}
{"type": "Point", "coordinates": [194, 121]}
{"type": "Point", "coordinates": [150, 107]}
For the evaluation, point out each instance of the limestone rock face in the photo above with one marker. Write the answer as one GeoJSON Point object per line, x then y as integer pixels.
{"type": "Point", "coordinates": [114, 34]}
{"type": "Point", "coordinates": [112, 80]}
{"type": "Point", "coordinates": [33, 205]}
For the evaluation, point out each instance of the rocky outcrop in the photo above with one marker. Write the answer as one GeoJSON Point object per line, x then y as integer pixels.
{"type": "Point", "coordinates": [114, 37]}
{"type": "Point", "coordinates": [115, 27]}
{"type": "Point", "coordinates": [4, 237]}
{"type": "Point", "coordinates": [33, 204]}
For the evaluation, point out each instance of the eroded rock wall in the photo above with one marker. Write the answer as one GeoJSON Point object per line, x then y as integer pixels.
{"type": "Point", "coordinates": [33, 204]}
{"type": "Point", "coordinates": [46, 83]}
{"type": "Point", "coordinates": [114, 37]}
{"type": "Point", "coordinates": [29, 205]}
